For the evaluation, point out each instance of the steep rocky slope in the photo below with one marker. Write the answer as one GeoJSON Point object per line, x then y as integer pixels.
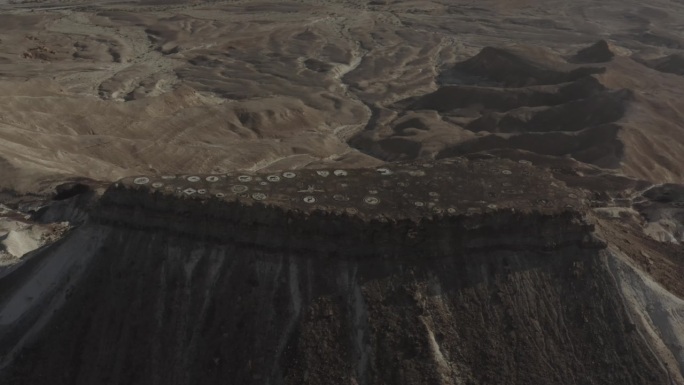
{"type": "Point", "coordinates": [174, 288]}
{"type": "Point", "coordinates": [341, 192]}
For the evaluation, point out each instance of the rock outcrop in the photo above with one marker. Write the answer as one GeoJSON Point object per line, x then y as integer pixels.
{"type": "Point", "coordinates": [175, 289]}
{"type": "Point", "coordinates": [599, 52]}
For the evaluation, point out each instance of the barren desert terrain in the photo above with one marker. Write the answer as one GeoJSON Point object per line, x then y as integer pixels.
{"type": "Point", "coordinates": [105, 90]}
{"type": "Point", "coordinates": [341, 192]}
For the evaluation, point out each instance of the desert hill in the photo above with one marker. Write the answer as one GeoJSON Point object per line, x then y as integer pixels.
{"type": "Point", "coordinates": [341, 192]}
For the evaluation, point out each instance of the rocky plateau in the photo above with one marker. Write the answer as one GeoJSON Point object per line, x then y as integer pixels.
{"type": "Point", "coordinates": [341, 192]}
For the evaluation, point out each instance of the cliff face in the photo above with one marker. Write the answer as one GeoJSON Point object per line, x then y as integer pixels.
{"type": "Point", "coordinates": [205, 292]}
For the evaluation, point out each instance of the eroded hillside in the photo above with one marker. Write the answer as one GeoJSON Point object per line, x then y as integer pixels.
{"type": "Point", "coordinates": [341, 192]}
{"type": "Point", "coordinates": [251, 288]}
{"type": "Point", "coordinates": [215, 87]}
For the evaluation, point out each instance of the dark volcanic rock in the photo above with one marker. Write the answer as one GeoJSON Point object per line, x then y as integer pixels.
{"type": "Point", "coordinates": [188, 291]}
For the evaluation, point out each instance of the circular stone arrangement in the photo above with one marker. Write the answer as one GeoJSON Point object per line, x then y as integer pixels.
{"type": "Point", "coordinates": [381, 185]}
{"type": "Point", "coordinates": [238, 188]}
{"type": "Point", "coordinates": [371, 200]}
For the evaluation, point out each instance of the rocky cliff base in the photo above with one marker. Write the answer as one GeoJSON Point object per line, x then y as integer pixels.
{"type": "Point", "coordinates": [279, 297]}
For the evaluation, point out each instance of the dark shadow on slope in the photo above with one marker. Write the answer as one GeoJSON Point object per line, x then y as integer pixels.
{"type": "Point", "coordinates": [577, 115]}
{"type": "Point", "coordinates": [448, 98]}
{"type": "Point", "coordinates": [671, 64]}
{"type": "Point", "coordinates": [512, 70]}
{"type": "Point", "coordinates": [600, 52]}
{"type": "Point", "coordinates": [596, 145]}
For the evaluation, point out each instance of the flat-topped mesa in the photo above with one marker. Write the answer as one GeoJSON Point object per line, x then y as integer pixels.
{"type": "Point", "coordinates": [458, 204]}
{"type": "Point", "coordinates": [453, 186]}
